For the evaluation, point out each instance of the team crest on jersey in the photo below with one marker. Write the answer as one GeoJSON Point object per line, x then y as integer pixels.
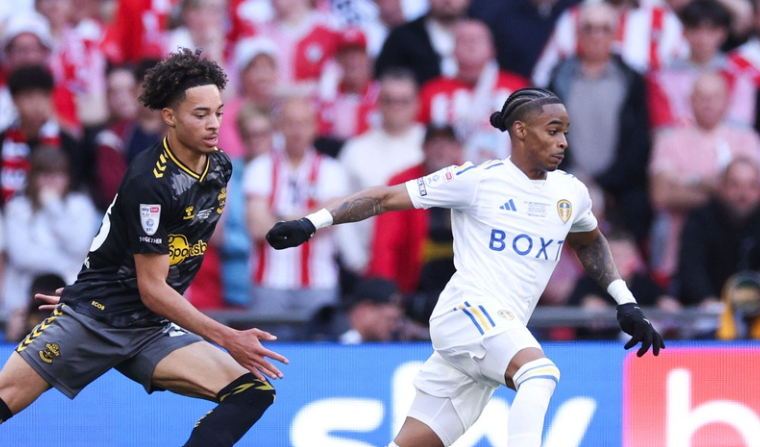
{"type": "Point", "coordinates": [149, 218]}
{"type": "Point", "coordinates": [565, 209]}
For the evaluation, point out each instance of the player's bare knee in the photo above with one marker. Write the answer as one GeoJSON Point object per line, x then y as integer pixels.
{"type": "Point", "coordinates": [541, 371]}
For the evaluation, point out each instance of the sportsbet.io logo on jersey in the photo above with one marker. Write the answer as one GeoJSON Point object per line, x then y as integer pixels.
{"type": "Point", "coordinates": [180, 249]}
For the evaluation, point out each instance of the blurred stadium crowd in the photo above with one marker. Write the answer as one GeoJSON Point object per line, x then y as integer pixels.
{"type": "Point", "coordinates": [327, 97]}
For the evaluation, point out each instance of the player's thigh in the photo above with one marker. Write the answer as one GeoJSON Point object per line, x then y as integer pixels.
{"type": "Point", "coordinates": [415, 433]}
{"type": "Point", "coordinates": [197, 370]}
{"type": "Point", "coordinates": [20, 384]}
{"type": "Point", "coordinates": [448, 400]}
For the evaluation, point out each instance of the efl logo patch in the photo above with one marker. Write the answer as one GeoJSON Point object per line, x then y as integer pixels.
{"type": "Point", "coordinates": [149, 218]}
{"type": "Point", "coordinates": [692, 398]}
{"type": "Point", "coordinates": [421, 185]}
{"type": "Point", "coordinates": [440, 177]}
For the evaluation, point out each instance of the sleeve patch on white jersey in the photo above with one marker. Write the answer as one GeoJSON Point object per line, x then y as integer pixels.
{"type": "Point", "coordinates": [421, 185]}
{"type": "Point", "coordinates": [149, 218]}
{"type": "Point", "coordinates": [443, 176]}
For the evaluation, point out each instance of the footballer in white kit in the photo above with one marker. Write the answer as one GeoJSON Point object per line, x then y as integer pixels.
{"type": "Point", "coordinates": [495, 208]}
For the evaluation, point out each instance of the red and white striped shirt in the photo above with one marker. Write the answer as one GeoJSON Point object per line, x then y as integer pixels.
{"type": "Point", "coordinates": [467, 107]}
{"type": "Point", "coordinates": [745, 61]}
{"type": "Point", "coordinates": [296, 191]}
{"type": "Point", "coordinates": [346, 115]}
{"type": "Point", "coordinates": [648, 38]}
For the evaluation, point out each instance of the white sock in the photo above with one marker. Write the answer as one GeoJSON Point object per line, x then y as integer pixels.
{"type": "Point", "coordinates": [535, 382]}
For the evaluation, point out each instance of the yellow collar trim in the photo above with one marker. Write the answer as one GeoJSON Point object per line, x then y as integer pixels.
{"type": "Point", "coordinates": [182, 166]}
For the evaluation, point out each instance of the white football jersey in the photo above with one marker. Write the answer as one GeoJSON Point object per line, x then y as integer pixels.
{"type": "Point", "coordinates": [508, 231]}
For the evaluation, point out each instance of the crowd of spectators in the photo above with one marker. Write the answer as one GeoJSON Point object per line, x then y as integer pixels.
{"type": "Point", "coordinates": [327, 97]}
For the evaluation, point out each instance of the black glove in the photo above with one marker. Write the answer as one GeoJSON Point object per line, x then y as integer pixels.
{"type": "Point", "coordinates": [632, 322]}
{"type": "Point", "coordinates": [291, 233]}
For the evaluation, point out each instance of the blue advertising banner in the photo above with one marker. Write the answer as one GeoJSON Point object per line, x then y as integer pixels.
{"type": "Point", "coordinates": [332, 396]}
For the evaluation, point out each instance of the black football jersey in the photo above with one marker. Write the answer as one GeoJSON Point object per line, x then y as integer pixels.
{"type": "Point", "coordinates": [161, 207]}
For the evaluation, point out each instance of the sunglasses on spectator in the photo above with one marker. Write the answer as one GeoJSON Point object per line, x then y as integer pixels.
{"type": "Point", "coordinates": [596, 27]}
{"type": "Point", "coordinates": [402, 101]}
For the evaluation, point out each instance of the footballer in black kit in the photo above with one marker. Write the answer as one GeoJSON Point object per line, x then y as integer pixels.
{"type": "Point", "coordinates": [126, 310]}
{"type": "Point", "coordinates": [161, 207]}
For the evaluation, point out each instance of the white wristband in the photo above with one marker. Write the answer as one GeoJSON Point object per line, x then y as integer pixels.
{"type": "Point", "coordinates": [321, 218]}
{"type": "Point", "coordinates": [618, 290]}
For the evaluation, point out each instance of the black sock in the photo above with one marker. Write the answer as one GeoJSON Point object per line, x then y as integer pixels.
{"type": "Point", "coordinates": [241, 404]}
{"type": "Point", "coordinates": [5, 412]}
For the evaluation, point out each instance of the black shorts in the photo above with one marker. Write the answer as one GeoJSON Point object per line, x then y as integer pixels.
{"type": "Point", "coordinates": [70, 350]}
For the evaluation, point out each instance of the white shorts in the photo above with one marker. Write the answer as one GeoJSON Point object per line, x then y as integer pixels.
{"type": "Point", "coordinates": [467, 365]}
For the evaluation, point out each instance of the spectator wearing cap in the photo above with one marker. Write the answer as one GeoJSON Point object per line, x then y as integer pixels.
{"type": "Point", "coordinates": [25, 41]}
{"type": "Point", "coordinates": [348, 95]}
{"type": "Point", "coordinates": [255, 62]}
{"type": "Point", "coordinates": [374, 312]}
{"type": "Point", "coordinates": [374, 156]}
{"type": "Point", "coordinates": [413, 248]}
{"type": "Point", "coordinates": [465, 99]}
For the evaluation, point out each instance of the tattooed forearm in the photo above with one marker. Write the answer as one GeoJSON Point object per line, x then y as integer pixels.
{"type": "Point", "coordinates": [597, 259]}
{"type": "Point", "coordinates": [356, 209]}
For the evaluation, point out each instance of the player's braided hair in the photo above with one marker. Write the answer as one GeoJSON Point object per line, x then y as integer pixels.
{"type": "Point", "coordinates": [166, 83]}
{"type": "Point", "coordinates": [520, 104]}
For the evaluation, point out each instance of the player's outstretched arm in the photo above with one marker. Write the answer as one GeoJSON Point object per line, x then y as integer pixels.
{"type": "Point", "coordinates": [594, 253]}
{"type": "Point", "coordinates": [244, 346]}
{"type": "Point", "coordinates": [353, 208]}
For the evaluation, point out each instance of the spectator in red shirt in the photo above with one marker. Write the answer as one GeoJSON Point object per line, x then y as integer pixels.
{"type": "Point", "coordinates": [414, 247]}
{"type": "Point", "coordinates": [465, 99]}
{"type": "Point", "coordinates": [348, 103]}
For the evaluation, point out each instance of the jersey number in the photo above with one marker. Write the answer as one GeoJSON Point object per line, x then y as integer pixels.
{"type": "Point", "coordinates": [105, 228]}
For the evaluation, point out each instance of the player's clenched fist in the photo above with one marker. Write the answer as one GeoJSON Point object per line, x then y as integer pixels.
{"type": "Point", "coordinates": [632, 322]}
{"type": "Point", "coordinates": [291, 233]}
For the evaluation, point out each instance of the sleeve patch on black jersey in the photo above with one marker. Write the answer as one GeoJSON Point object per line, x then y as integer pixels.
{"type": "Point", "coordinates": [149, 218]}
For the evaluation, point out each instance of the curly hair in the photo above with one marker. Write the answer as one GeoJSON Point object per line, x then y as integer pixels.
{"type": "Point", "coordinates": [166, 83]}
{"type": "Point", "coordinates": [520, 104]}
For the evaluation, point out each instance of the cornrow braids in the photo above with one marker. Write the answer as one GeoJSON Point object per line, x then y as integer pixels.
{"type": "Point", "coordinates": [166, 83]}
{"type": "Point", "coordinates": [520, 104]}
